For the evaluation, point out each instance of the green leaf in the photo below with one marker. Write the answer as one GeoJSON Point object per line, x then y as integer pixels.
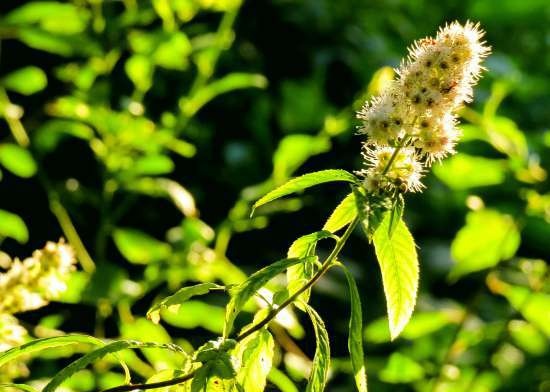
{"type": "Point", "coordinates": [399, 266]}
{"type": "Point", "coordinates": [17, 160]}
{"type": "Point", "coordinates": [233, 81]}
{"type": "Point", "coordinates": [401, 369]}
{"type": "Point", "coordinates": [487, 238]}
{"type": "Point", "coordinates": [304, 182]}
{"type": "Point", "coordinates": [152, 165]}
{"type": "Point", "coordinates": [140, 70]}
{"type": "Point", "coordinates": [20, 387]}
{"type": "Point", "coordinates": [45, 343]}
{"type": "Point", "coordinates": [299, 274]}
{"type": "Point", "coordinates": [13, 226]}
{"type": "Point", "coordinates": [396, 214]}
{"type": "Point", "coordinates": [464, 171]}
{"type": "Point", "coordinates": [256, 353]}
{"type": "Point", "coordinates": [52, 16]}
{"type": "Point", "coordinates": [173, 302]}
{"type": "Point", "coordinates": [247, 289]}
{"type": "Point", "coordinates": [96, 355]}
{"type": "Point", "coordinates": [281, 381]}
{"type": "Point", "coordinates": [26, 81]}
{"type": "Point", "coordinates": [321, 360]}
{"type": "Point", "coordinates": [355, 338]}
{"type": "Point", "coordinates": [47, 137]}
{"type": "Point", "coordinates": [342, 215]}
{"type": "Point", "coordinates": [293, 151]}
{"type": "Point", "coordinates": [140, 248]}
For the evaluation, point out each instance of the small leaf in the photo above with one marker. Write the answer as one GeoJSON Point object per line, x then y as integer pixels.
{"type": "Point", "coordinates": [96, 355]}
{"type": "Point", "coordinates": [17, 160]}
{"type": "Point", "coordinates": [321, 360]}
{"type": "Point", "coordinates": [26, 81]}
{"type": "Point", "coordinates": [396, 214]}
{"type": "Point", "coordinates": [249, 287]}
{"type": "Point", "coordinates": [45, 343]}
{"type": "Point", "coordinates": [487, 238]}
{"type": "Point", "coordinates": [399, 266]}
{"type": "Point", "coordinates": [401, 369]}
{"type": "Point", "coordinates": [20, 387]}
{"type": "Point", "coordinates": [152, 165]}
{"type": "Point", "coordinates": [465, 171]}
{"type": "Point", "coordinates": [256, 360]}
{"type": "Point", "coordinates": [355, 338]}
{"type": "Point", "coordinates": [140, 70]}
{"type": "Point", "coordinates": [281, 381]}
{"type": "Point", "coordinates": [299, 274]}
{"type": "Point", "coordinates": [13, 226]}
{"type": "Point", "coordinates": [342, 215]}
{"type": "Point", "coordinates": [174, 301]}
{"type": "Point", "coordinates": [138, 247]}
{"type": "Point", "coordinates": [304, 182]}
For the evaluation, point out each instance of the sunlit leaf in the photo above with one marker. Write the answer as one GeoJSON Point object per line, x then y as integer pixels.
{"type": "Point", "coordinates": [17, 387]}
{"type": "Point", "coordinates": [174, 301]}
{"type": "Point", "coordinates": [138, 247]}
{"type": "Point", "coordinates": [46, 343]}
{"type": "Point", "coordinates": [256, 353]}
{"type": "Point", "coordinates": [96, 355]}
{"type": "Point", "coordinates": [321, 361]}
{"type": "Point", "coordinates": [528, 337]}
{"type": "Point", "coordinates": [299, 274]}
{"type": "Point", "coordinates": [194, 314]}
{"type": "Point", "coordinates": [487, 238]}
{"type": "Point", "coordinates": [48, 136]}
{"type": "Point", "coordinates": [464, 171]}
{"type": "Point", "coordinates": [52, 16]}
{"type": "Point", "coordinates": [11, 225]}
{"type": "Point", "coordinates": [26, 81]}
{"type": "Point", "coordinates": [281, 381]}
{"type": "Point", "coordinates": [399, 266]}
{"type": "Point", "coordinates": [293, 151]}
{"type": "Point", "coordinates": [401, 369]}
{"type": "Point", "coordinates": [306, 181]}
{"type": "Point", "coordinates": [342, 215]}
{"type": "Point", "coordinates": [243, 292]}
{"type": "Point", "coordinates": [152, 165]}
{"type": "Point", "coordinates": [355, 338]}
{"type": "Point", "coordinates": [17, 160]}
{"type": "Point", "coordinates": [140, 69]}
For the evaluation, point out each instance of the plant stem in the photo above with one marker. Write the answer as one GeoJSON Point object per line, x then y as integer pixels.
{"type": "Point", "coordinates": [329, 262]}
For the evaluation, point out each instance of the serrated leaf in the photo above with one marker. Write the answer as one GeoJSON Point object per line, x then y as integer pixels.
{"type": "Point", "coordinates": [299, 274]}
{"type": "Point", "coordinates": [355, 338]}
{"type": "Point", "coordinates": [245, 291]}
{"type": "Point", "coordinates": [321, 360]}
{"type": "Point", "coordinates": [45, 343]}
{"type": "Point", "coordinates": [342, 215]}
{"type": "Point", "coordinates": [395, 214]}
{"type": "Point", "coordinates": [487, 238]}
{"type": "Point", "coordinates": [256, 361]}
{"type": "Point", "coordinates": [304, 182]}
{"type": "Point", "coordinates": [26, 81]}
{"type": "Point", "coordinates": [95, 355]}
{"type": "Point", "coordinates": [399, 266]}
{"type": "Point", "coordinates": [174, 301]}
{"type": "Point", "coordinates": [11, 225]}
{"type": "Point", "coordinates": [138, 247]}
{"type": "Point", "coordinates": [17, 160]}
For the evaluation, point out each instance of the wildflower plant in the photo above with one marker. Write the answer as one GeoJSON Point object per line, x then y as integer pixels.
{"type": "Point", "coordinates": [410, 126]}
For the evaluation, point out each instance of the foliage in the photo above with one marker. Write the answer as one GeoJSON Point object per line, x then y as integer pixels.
{"type": "Point", "coordinates": [146, 133]}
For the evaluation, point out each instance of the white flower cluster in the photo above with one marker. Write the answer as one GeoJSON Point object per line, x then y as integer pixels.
{"type": "Point", "coordinates": [31, 283]}
{"type": "Point", "coordinates": [412, 123]}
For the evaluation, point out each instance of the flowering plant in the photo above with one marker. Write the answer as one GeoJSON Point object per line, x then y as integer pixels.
{"type": "Point", "coordinates": [409, 126]}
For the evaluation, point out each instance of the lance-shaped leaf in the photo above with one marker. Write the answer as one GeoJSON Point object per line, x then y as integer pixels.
{"type": "Point", "coordinates": [96, 355]}
{"type": "Point", "coordinates": [321, 360]}
{"type": "Point", "coordinates": [256, 353]}
{"type": "Point", "coordinates": [249, 287]}
{"type": "Point", "coordinates": [355, 338]}
{"type": "Point", "coordinates": [45, 343]}
{"type": "Point", "coordinates": [306, 181]}
{"type": "Point", "coordinates": [342, 215]}
{"type": "Point", "coordinates": [174, 301]}
{"type": "Point", "coordinates": [299, 274]}
{"type": "Point", "coordinates": [17, 387]}
{"type": "Point", "coordinates": [398, 261]}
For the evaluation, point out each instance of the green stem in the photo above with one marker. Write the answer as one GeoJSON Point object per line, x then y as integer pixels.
{"type": "Point", "coordinates": [327, 264]}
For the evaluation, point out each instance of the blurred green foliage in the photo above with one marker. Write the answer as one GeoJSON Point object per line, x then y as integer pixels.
{"type": "Point", "coordinates": [144, 131]}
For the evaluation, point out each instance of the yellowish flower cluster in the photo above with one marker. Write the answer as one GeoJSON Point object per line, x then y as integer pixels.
{"type": "Point", "coordinates": [11, 334]}
{"type": "Point", "coordinates": [412, 123]}
{"type": "Point", "coordinates": [31, 283]}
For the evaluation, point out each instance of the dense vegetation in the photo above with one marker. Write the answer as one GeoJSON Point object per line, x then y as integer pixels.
{"type": "Point", "coordinates": [143, 133]}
